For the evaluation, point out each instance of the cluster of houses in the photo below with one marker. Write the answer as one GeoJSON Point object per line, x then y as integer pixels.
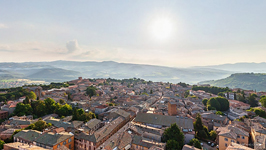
{"type": "Point", "coordinates": [130, 116]}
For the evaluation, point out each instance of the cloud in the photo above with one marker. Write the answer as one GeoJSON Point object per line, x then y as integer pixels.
{"type": "Point", "coordinates": [5, 48]}
{"type": "Point", "coordinates": [72, 46]}
{"type": "Point", "coordinates": [2, 26]}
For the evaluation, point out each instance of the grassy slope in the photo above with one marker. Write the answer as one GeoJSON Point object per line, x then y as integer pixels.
{"type": "Point", "coordinates": [249, 81]}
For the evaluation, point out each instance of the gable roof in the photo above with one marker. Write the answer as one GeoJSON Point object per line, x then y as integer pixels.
{"type": "Point", "coordinates": [231, 132]}
{"type": "Point", "coordinates": [28, 135]}
{"type": "Point", "coordinates": [52, 139]}
{"type": "Point", "coordinates": [164, 120]}
{"type": "Point", "coordinates": [48, 138]}
{"type": "Point", "coordinates": [213, 116]}
{"type": "Point", "coordinates": [92, 123]}
{"type": "Point", "coordinates": [102, 132]}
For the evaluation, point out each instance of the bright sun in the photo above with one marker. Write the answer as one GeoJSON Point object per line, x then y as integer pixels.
{"type": "Point", "coordinates": [162, 28]}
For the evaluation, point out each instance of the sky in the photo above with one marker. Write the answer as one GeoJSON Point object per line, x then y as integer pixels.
{"type": "Point", "coordinates": [175, 33]}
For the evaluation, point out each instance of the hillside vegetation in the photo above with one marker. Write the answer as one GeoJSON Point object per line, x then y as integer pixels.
{"type": "Point", "coordinates": [248, 81]}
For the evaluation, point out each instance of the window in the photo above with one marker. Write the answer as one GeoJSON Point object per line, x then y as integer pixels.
{"type": "Point", "coordinates": [64, 143]}
{"type": "Point", "coordinates": [58, 145]}
{"type": "Point", "coordinates": [232, 141]}
{"type": "Point", "coordinates": [237, 142]}
{"type": "Point", "coordinates": [69, 146]}
{"type": "Point", "coordinates": [225, 145]}
{"type": "Point", "coordinates": [226, 139]}
{"type": "Point", "coordinates": [243, 137]}
{"type": "Point", "coordinates": [238, 136]}
{"type": "Point", "coordinates": [69, 140]}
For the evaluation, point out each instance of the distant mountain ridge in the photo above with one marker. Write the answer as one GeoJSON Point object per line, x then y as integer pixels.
{"type": "Point", "coordinates": [240, 67]}
{"type": "Point", "coordinates": [106, 69]}
{"type": "Point", "coordinates": [248, 81]}
{"type": "Point", "coordinates": [58, 71]}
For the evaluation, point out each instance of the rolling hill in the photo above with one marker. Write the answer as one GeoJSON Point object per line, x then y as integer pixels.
{"type": "Point", "coordinates": [69, 70]}
{"type": "Point", "coordinates": [240, 67]}
{"type": "Point", "coordinates": [248, 81]}
{"type": "Point", "coordinates": [54, 74]}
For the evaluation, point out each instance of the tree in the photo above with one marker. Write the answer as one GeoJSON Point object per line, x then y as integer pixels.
{"type": "Point", "coordinates": [241, 98]}
{"type": "Point", "coordinates": [213, 102]}
{"type": "Point", "coordinates": [195, 142]}
{"type": "Point", "coordinates": [40, 125]}
{"type": "Point", "coordinates": [262, 96]}
{"type": "Point", "coordinates": [182, 84]}
{"type": "Point", "coordinates": [112, 89]}
{"type": "Point", "coordinates": [61, 101]}
{"type": "Point", "coordinates": [3, 98]}
{"type": "Point", "coordinates": [50, 105]}
{"type": "Point", "coordinates": [172, 145]}
{"type": "Point", "coordinates": [27, 100]}
{"type": "Point", "coordinates": [204, 101]}
{"type": "Point", "coordinates": [13, 97]}
{"type": "Point", "coordinates": [235, 96]}
{"type": "Point", "coordinates": [224, 103]}
{"type": "Point", "coordinates": [263, 101]}
{"type": "Point", "coordinates": [259, 112]}
{"type": "Point", "coordinates": [219, 103]}
{"type": "Point", "coordinates": [111, 104]}
{"type": "Point", "coordinates": [75, 115]}
{"type": "Point", "coordinates": [211, 89]}
{"type": "Point", "coordinates": [91, 91]}
{"type": "Point", "coordinates": [213, 135]}
{"type": "Point", "coordinates": [64, 110]}
{"type": "Point", "coordinates": [173, 133]}
{"type": "Point", "coordinates": [2, 144]}
{"type": "Point", "coordinates": [151, 92]}
{"type": "Point", "coordinates": [68, 96]}
{"type": "Point", "coordinates": [252, 100]}
{"type": "Point", "coordinates": [219, 113]}
{"type": "Point", "coordinates": [198, 125]}
{"type": "Point", "coordinates": [32, 95]}
{"type": "Point", "coordinates": [202, 134]}
{"type": "Point", "coordinates": [221, 94]}
{"type": "Point", "coordinates": [201, 131]}
{"type": "Point", "coordinates": [39, 108]}
{"type": "Point", "coordinates": [87, 116]}
{"type": "Point", "coordinates": [186, 94]}
{"type": "Point", "coordinates": [81, 111]}
{"type": "Point", "coordinates": [23, 109]}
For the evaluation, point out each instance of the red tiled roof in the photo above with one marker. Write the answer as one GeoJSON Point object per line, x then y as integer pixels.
{"type": "Point", "coordinates": [232, 102]}
{"type": "Point", "coordinates": [101, 106]}
{"type": "Point", "coordinates": [3, 111]}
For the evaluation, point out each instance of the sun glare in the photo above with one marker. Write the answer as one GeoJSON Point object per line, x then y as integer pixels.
{"type": "Point", "coordinates": [162, 28]}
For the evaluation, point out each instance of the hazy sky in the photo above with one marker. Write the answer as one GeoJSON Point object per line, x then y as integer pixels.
{"type": "Point", "coordinates": [171, 33]}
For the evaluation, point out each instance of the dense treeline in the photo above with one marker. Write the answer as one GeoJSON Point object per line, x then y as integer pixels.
{"type": "Point", "coordinates": [41, 108]}
{"type": "Point", "coordinates": [183, 84]}
{"type": "Point", "coordinates": [16, 93]}
{"type": "Point", "coordinates": [211, 89]}
{"type": "Point", "coordinates": [13, 93]}
{"type": "Point", "coordinates": [52, 85]}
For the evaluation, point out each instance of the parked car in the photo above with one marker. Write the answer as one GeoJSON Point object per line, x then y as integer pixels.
{"type": "Point", "coordinates": [209, 143]}
{"type": "Point", "coordinates": [212, 145]}
{"type": "Point", "coordinates": [201, 144]}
